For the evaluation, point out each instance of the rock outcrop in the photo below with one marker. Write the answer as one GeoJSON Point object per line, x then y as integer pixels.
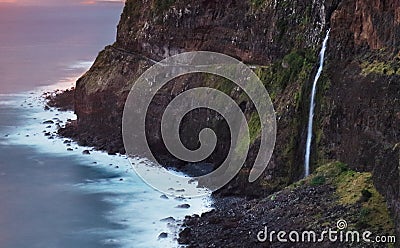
{"type": "Point", "coordinates": [358, 106]}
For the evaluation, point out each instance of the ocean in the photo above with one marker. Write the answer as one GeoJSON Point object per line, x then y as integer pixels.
{"type": "Point", "coordinates": [51, 194]}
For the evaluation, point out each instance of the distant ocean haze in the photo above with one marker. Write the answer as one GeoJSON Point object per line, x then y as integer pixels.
{"type": "Point", "coordinates": [40, 45]}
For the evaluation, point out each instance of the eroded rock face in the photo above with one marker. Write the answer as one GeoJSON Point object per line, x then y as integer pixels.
{"type": "Point", "coordinates": [360, 112]}
{"type": "Point", "coordinates": [357, 111]}
{"type": "Point", "coordinates": [258, 34]}
{"type": "Point", "coordinates": [361, 26]}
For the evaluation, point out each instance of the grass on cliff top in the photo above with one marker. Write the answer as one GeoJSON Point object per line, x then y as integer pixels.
{"type": "Point", "coordinates": [353, 189]}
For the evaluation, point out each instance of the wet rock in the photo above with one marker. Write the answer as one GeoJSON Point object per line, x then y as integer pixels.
{"type": "Point", "coordinates": [86, 152]}
{"type": "Point", "coordinates": [48, 122]}
{"type": "Point", "coordinates": [168, 219]}
{"type": "Point", "coordinates": [183, 206]}
{"type": "Point", "coordinates": [185, 236]}
{"type": "Point", "coordinates": [164, 197]}
{"type": "Point", "coordinates": [163, 235]}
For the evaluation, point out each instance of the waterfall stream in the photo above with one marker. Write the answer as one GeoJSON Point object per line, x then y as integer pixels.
{"type": "Point", "coordinates": [312, 105]}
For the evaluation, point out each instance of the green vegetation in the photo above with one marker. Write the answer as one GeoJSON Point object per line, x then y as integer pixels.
{"type": "Point", "coordinates": [354, 189]}
{"type": "Point", "coordinates": [380, 67]}
{"type": "Point", "coordinates": [254, 127]}
{"type": "Point", "coordinates": [295, 66]}
{"type": "Point", "coordinates": [318, 180]}
{"type": "Point", "coordinates": [222, 84]}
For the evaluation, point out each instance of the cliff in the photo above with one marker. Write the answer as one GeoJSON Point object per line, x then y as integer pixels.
{"type": "Point", "coordinates": [357, 111]}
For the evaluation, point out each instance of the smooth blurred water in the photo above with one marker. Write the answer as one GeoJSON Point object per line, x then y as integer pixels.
{"type": "Point", "coordinates": [51, 197]}
{"type": "Point", "coordinates": [312, 106]}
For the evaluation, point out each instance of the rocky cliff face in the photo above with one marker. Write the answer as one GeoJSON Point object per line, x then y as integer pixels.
{"type": "Point", "coordinates": [359, 111]}
{"type": "Point", "coordinates": [358, 108]}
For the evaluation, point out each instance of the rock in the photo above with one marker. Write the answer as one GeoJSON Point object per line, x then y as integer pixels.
{"type": "Point", "coordinates": [168, 219]}
{"type": "Point", "coordinates": [70, 149]}
{"type": "Point", "coordinates": [164, 197]}
{"type": "Point", "coordinates": [358, 113]}
{"type": "Point", "coordinates": [183, 206]}
{"type": "Point", "coordinates": [48, 122]}
{"type": "Point", "coordinates": [163, 235]}
{"type": "Point", "coordinates": [185, 236]}
{"type": "Point", "coordinates": [179, 198]}
{"type": "Point", "coordinates": [86, 152]}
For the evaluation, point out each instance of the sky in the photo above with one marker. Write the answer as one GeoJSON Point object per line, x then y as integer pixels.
{"type": "Point", "coordinates": [43, 41]}
{"type": "Point", "coordinates": [55, 2]}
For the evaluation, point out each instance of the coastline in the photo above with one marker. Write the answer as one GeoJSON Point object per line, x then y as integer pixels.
{"type": "Point", "coordinates": [118, 184]}
{"type": "Point", "coordinates": [235, 221]}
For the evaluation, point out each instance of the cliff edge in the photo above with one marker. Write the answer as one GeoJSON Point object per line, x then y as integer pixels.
{"type": "Point", "coordinates": [357, 115]}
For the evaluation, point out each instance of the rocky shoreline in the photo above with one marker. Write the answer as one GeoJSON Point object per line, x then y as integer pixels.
{"type": "Point", "coordinates": [357, 112]}
{"type": "Point", "coordinates": [312, 204]}
{"type": "Point", "coordinates": [103, 140]}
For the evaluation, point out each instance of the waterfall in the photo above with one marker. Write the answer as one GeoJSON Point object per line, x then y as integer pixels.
{"type": "Point", "coordinates": [312, 105]}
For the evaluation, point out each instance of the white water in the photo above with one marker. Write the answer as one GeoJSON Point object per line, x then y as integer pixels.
{"type": "Point", "coordinates": [137, 209]}
{"type": "Point", "coordinates": [312, 105]}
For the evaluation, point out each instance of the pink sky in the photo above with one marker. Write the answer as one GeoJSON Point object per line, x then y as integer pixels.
{"type": "Point", "coordinates": [55, 2]}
